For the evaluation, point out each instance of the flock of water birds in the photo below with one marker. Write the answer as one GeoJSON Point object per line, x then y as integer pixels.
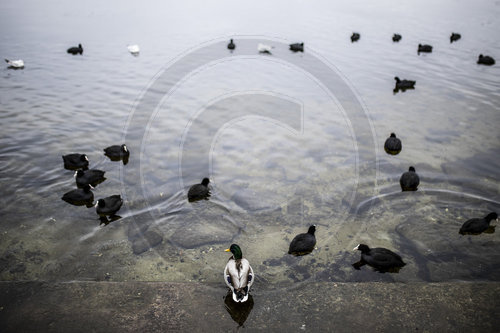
{"type": "Point", "coordinates": [238, 274]}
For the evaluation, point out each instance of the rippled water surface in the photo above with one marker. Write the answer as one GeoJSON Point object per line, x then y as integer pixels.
{"type": "Point", "coordinates": [285, 143]}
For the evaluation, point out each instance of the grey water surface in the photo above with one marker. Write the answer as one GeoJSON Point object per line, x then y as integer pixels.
{"type": "Point", "coordinates": [283, 149]}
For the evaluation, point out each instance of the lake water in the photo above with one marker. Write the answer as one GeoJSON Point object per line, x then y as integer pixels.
{"type": "Point", "coordinates": [288, 140]}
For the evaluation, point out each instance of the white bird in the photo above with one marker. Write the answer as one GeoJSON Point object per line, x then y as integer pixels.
{"type": "Point", "coordinates": [263, 48]}
{"type": "Point", "coordinates": [15, 63]}
{"type": "Point", "coordinates": [134, 49]}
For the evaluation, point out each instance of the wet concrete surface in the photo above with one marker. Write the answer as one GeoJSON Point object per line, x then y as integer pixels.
{"type": "Point", "coordinates": [192, 307]}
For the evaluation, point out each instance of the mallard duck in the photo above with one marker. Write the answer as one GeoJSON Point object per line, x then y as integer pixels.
{"type": "Point", "coordinates": [199, 191]}
{"type": "Point", "coordinates": [76, 49]}
{"type": "Point", "coordinates": [485, 60]}
{"type": "Point", "coordinates": [409, 180]}
{"type": "Point", "coordinates": [476, 226]}
{"type": "Point", "coordinates": [396, 37]}
{"type": "Point", "coordinates": [75, 161]}
{"type": "Point", "coordinates": [424, 48]}
{"type": "Point", "coordinates": [392, 145]}
{"type": "Point", "coordinates": [92, 177]}
{"type": "Point", "coordinates": [303, 243]}
{"type": "Point", "coordinates": [80, 197]}
{"type": "Point", "coordinates": [382, 260]}
{"type": "Point", "coordinates": [355, 37]}
{"type": "Point", "coordinates": [231, 45]}
{"type": "Point", "coordinates": [454, 37]}
{"type": "Point", "coordinates": [297, 47]}
{"type": "Point", "coordinates": [238, 274]}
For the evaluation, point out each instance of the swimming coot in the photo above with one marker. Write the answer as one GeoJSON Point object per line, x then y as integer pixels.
{"type": "Point", "coordinates": [485, 60]}
{"type": "Point", "coordinates": [476, 226]}
{"type": "Point", "coordinates": [454, 37]}
{"type": "Point", "coordinates": [231, 45]}
{"type": "Point", "coordinates": [238, 274]}
{"type": "Point", "coordinates": [392, 145]}
{"type": "Point", "coordinates": [303, 243]}
{"type": "Point", "coordinates": [396, 37]}
{"type": "Point", "coordinates": [117, 153]}
{"type": "Point", "coordinates": [424, 48]}
{"type": "Point", "coordinates": [409, 181]}
{"type": "Point", "coordinates": [109, 205]}
{"type": "Point", "coordinates": [92, 177]}
{"type": "Point", "coordinates": [355, 37]}
{"type": "Point", "coordinates": [382, 260]}
{"type": "Point", "coordinates": [80, 197]}
{"type": "Point", "coordinates": [76, 49]}
{"type": "Point", "coordinates": [297, 47]}
{"type": "Point", "coordinates": [75, 161]}
{"type": "Point", "coordinates": [403, 84]}
{"type": "Point", "coordinates": [199, 191]}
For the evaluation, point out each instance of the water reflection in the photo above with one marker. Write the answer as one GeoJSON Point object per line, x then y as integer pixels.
{"type": "Point", "coordinates": [239, 312]}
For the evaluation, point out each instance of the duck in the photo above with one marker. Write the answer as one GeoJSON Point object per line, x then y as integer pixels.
{"type": "Point", "coordinates": [134, 49]}
{"type": "Point", "coordinates": [231, 45]}
{"type": "Point", "coordinates": [297, 47]}
{"type": "Point", "coordinates": [485, 60]}
{"type": "Point", "coordinates": [355, 37]}
{"type": "Point", "coordinates": [403, 84]}
{"type": "Point", "coordinates": [303, 244]}
{"type": "Point", "coordinates": [117, 152]}
{"type": "Point", "coordinates": [263, 48]}
{"type": "Point", "coordinates": [92, 177]}
{"type": "Point", "coordinates": [75, 161]}
{"type": "Point", "coordinates": [76, 49]}
{"type": "Point", "coordinates": [409, 180]}
{"type": "Point", "coordinates": [392, 145]}
{"type": "Point", "coordinates": [238, 274]}
{"type": "Point", "coordinates": [381, 259]}
{"type": "Point", "coordinates": [424, 48]}
{"type": "Point", "coordinates": [15, 64]}
{"type": "Point", "coordinates": [80, 196]}
{"type": "Point", "coordinates": [454, 37]}
{"type": "Point", "coordinates": [109, 206]}
{"type": "Point", "coordinates": [396, 37]}
{"type": "Point", "coordinates": [477, 226]}
{"type": "Point", "coordinates": [199, 191]}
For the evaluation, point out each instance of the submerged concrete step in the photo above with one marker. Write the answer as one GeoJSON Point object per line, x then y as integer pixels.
{"type": "Point", "coordinates": [192, 307]}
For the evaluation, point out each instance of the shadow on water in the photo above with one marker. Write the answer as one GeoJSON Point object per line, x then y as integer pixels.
{"type": "Point", "coordinates": [239, 312]}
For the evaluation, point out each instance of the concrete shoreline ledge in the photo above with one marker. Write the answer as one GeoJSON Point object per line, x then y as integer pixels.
{"type": "Point", "coordinates": [191, 307]}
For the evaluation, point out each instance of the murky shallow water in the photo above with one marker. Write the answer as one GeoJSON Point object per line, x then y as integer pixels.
{"type": "Point", "coordinates": [272, 175]}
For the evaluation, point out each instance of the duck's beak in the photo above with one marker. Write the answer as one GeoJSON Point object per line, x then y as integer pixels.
{"type": "Point", "coordinates": [356, 248]}
{"type": "Point", "coordinates": [227, 250]}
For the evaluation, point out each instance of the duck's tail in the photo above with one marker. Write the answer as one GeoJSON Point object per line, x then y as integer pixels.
{"type": "Point", "coordinates": [7, 60]}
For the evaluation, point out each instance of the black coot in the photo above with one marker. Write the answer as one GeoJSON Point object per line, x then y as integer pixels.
{"type": "Point", "coordinates": [76, 49]}
{"type": "Point", "coordinates": [297, 47]}
{"type": "Point", "coordinates": [303, 243]}
{"type": "Point", "coordinates": [382, 260]}
{"type": "Point", "coordinates": [199, 191]}
{"type": "Point", "coordinates": [485, 60]}
{"type": "Point", "coordinates": [479, 225]}
{"type": "Point", "coordinates": [92, 177]}
{"type": "Point", "coordinates": [80, 197]}
{"type": "Point", "coordinates": [409, 181]}
{"type": "Point", "coordinates": [75, 161]}
{"type": "Point", "coordinates": [392, 145]}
